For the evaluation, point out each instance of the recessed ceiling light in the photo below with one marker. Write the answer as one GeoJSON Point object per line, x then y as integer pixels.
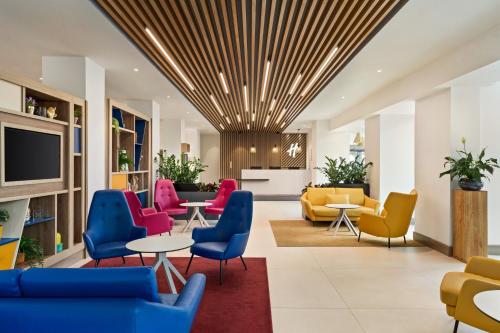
{"type": "Point", "coordinates": [216, 105]}
{"type": "Point", "coordinates": [41, 78]}
{"type": "Point", "coordinates": [228, 120]}
{"type": "Point", "coordinates": [343, 97]}
{"type": "Point", "coordinates": [320, 70]}
{"type": "Point", "coordinates": [272, 104]}
{"type": "Point", "coordinates": [295, 83]}
{"type": "Point", "coordinates": [170, 60]}
{"type": "Point", "coordinates": [264, 87]}
{"type": "Point", "coordinates": [168, 96]}
{"type": "Point", "coordinates": [187, 112]}
{"type": "Point", "coordinates": [267, 120]}
{"type": "Point", "coordinates": [379, 71]}
{"type": "Point", "coordinates": [253, 116]}
{"type": "Point", "coordinates": [239, 118]}
{"type": "Point", "coordinates": [136, 69]}
{"type": "Point", "coordinates": [223, 82]}
{"type": "Point", "coordinates": [221, 126]}
{"type": "Point", "coordinates": [246, 97]}
{"type": "Point", "coordinates": [280, 116]}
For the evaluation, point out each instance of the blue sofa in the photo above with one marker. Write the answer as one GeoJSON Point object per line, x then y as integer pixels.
{"type": "Point", "coordinates": [84, 300]}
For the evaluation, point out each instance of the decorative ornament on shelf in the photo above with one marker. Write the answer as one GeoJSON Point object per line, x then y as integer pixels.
{"type": "Point", "coordinates": [124, 162]}
{"type": "Point", "coordinates": [77, 114]}
{"type": "Point", "coordinates": [30, 105]}
{"type": "Point", "coordinates": [51, 112]}
{"type": "Point", "coordinates": [4, 217]}
{"type": "Point", "coordinates": [468, 170]}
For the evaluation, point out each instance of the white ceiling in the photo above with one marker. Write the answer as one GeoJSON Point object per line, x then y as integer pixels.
{"type": "Point", "coordinates": [483, 76]}
{"type": "Point", "coordinates": [31, 29]}
{"type": "Point", "coordinates": [422, 31]}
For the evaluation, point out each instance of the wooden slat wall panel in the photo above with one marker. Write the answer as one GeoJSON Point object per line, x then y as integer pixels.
{"type": "Point", "coordinates": [287, 161]}
{"type": "Point", "coordinates": [239, 37]}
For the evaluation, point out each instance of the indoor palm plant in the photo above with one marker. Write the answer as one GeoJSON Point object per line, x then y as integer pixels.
{"type": "Point", "coordinates": [469, 171]}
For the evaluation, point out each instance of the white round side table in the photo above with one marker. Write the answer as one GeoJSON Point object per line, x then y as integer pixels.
{"type": "Point", "coordinates": [196, 213]}
{"type": "Point", "coordinates": [342, 217]}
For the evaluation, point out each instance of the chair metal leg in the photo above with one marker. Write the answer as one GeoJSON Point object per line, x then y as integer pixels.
{"type": "Point", "coordinates": [123, 259]}
{"type": "Point", "coordinates": [170, 233]}
{"type": "Point", "coordinates": [389, 242]}
{"type": "Point", "coordinates": [189, 265]}
{"type": "Point", "coordinates": [226, 261]}
{"type": "Point", "coordinates": [359, 236]}
{"type": "Point", "coordinates": [455, 328]}
{"type": "Point", "coordinates": [243, 261]}
{"type": "Point", "coordinates": [220, 272]}
{"type": "Point", "coordinates": [404, 238]}
{"type": "Point", "coordinates": [97, 262]}
{"type": "Point", "coordinates": [142, 259]}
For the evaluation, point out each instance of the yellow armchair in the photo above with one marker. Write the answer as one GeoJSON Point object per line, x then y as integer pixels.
{"type": "Point", "coordinates": [394, 220]}
{"type": "Point", "coordinates": [459, 288]}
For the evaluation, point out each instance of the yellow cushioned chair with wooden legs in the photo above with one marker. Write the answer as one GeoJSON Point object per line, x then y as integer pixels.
{"type": "Point", "coordinates": [394, 220]}
{"type": "Point", "coordinates": [459, 288]}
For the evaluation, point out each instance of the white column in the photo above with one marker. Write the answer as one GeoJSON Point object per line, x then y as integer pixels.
{"type": "Point", "coordinates": [82, 77]}
{"type": "Point", "coordinates": [372, 154]}
{"type": "Point", "coordinates": [210, 155]}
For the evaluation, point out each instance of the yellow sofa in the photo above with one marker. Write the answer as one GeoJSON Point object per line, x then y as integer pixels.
{"type": "Point", "coordinates": [459, 288]}
{"type": "Point", "coordinates": [315, 198]}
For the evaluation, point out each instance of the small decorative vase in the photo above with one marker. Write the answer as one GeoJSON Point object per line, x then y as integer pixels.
{"type": "Point", "coordinates": [124, 167]}
{"type": "Point", "coordinates": [77, 120]}
{"type": "Point", "coordinates": [468, 185]}
{"type": "Point", "coordinates": [51, 112]}
{"type": "Point", "coordinates": [31, 109]}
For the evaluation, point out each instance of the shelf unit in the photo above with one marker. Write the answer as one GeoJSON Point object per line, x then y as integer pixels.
{"type": "Point", "coordinates": [134, 137]}
{"type": "Point", "coordinates": [53, 207]}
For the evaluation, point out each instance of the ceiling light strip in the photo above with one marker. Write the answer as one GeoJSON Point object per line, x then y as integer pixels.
{"type": "Point", "coordinates": [170, 60]}
{"type": "Point", "coordinates": [280, 116]}
{"type": "Point", "coordinates": [246, 97]}
{"type": "Point", "coordinates": [221, 126]}
{"type": "Point", "coordinates": [295, 83]}
{"type": "Point", "coordinates": [248, 126]}
{"type": "Point", "coordinates": [267, 120]}
{"type": "Point", "coordinates": [216, 105]}
{"type": "Point", "coordinates": [253, 116]}
{"type": "Point", "coordinates": [228, 120]}
{"type": "Point", "coordinates": [239, 118]}
{"type": "Point", "coordinates": [320, 70]}
{"type": "Point", "coordinates": [264, 87]}
{"type": "Point", "coordinates": [272, 104]}
{"type": "Point", "coordinates": [224, 85]}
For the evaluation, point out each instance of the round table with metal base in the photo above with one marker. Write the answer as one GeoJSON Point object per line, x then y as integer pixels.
{"type": "Point", "coordinates": [161, 245]}
{"type": "Point", "coordinates": [196, 213]}
{"type": "Point", "coordinates": [342, 217]}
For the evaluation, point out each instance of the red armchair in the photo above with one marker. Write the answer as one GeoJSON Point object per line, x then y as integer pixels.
{"type": "Point", "coordinates": [166, 199]}
{"type": "Point", "coordinates": [227, 186]}
{"type": "Point", "coordinates": [155, 223]}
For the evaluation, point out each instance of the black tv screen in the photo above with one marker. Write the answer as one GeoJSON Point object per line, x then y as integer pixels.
{"type": "Point", "coordinates": [31, 155]}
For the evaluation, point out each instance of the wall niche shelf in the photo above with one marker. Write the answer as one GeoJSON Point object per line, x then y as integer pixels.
{"type": "Point", "coordinates": [133, 136]}
{"type": "Point", "coordinates": [41, 210]}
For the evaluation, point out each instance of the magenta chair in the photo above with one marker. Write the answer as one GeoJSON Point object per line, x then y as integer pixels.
{"type": "Point", "coordinates": [154, 222]}
{"type": "Point", "coordinates": [166, 199]}
{"type": "Point", "coordinates": [227, 186]}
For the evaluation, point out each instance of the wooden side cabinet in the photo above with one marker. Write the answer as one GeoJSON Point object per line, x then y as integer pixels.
{"type": "Point", "coordinates": [470, 224]}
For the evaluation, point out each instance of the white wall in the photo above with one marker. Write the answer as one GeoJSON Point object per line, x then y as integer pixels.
{"type": "Point", "coordinates": [490, 137]}
{"type": "Point", "coordinates": [372, 154]}
{"type": "Point", "coordinates": [465, 119]}
{"type": "Point", "coordinates": [82, 77]}
{"type": "Point", "coordinates": [171, 135]}
{"type": "Point", "coordinates": [210, 155]}
{"type": "Point", "coordinates": [432, 144]}
{"type": "Point", "coordinates": [192, 136]}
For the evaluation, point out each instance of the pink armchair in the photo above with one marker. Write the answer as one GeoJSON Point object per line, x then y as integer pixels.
{"type": "Point", "coordinates": [166, 199]}
{"type": "Point", "coordinates": [227, 187]}
{"type": "Point", "coordinates": [155, 223]}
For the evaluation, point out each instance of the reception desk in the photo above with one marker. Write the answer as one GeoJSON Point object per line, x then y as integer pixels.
{"type": "Point", "coordinates": [274, 182]}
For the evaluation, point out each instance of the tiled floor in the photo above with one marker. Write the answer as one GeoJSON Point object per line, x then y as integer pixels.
{"type": "Point", "coordinates": [345, 290]}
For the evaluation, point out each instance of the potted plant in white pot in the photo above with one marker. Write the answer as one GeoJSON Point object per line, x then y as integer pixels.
{"type": "Point", "coordinates": [469, 171]}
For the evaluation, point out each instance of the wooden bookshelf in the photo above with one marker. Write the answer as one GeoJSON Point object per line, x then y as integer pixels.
{"type": "Point", "coordinates": [55, 207]}
{"type": "Point", "coordinates": [133, 135]}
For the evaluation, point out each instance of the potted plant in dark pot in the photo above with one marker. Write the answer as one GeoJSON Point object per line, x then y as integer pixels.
{"type": "Point", "coordinates": [184, 173]}
{"type": "Point", "coordinates": [469, 171]}
{"type": "Point", "coordinates": [30, 252]}
{"type": "Point", "coordinates": [349, 174]}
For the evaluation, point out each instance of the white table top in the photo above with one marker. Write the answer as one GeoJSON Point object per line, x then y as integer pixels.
{"type": "Point", "coordinates": [160, 244]}
{"type": "Point", "coordinates": [342, 206]}
{"type": "Point", "coordinates": [489, 303]}
{"type": "Point", "coordinates": [196, 204]}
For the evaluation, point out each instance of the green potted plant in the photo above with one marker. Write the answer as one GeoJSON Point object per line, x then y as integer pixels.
{"type": "Point", "coordinates": [343, 173]}
{"type": "Point", "coordinates": [30, 252]}
{"type": "Point", "coordinates": [116, 125]}
{"type": "Point", "coordinates": [4, 217]}
{"type": "Point", "coordinates": [30, 104]}
{"type": "Point", "coordinates": [184, 173]}
{"type": "Point", "coordinates": [124, 162]}
{"type": "Point", "coordinates": [77, 114]}
{"type": "Point", "coordinates": [467, 170]}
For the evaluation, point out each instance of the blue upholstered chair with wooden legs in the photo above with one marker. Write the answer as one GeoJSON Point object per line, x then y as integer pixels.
{"type": "Point", "coordinates": [228, 239]}
{"type": "Point", "coordinates": [110, 227]}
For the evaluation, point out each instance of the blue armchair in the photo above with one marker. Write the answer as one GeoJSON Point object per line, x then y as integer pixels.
{"type": "Point", "coordinates": [228, 239]}
{"type": "Point", "coordinates": [110, 227]}
{"type": "Point", "coordinates": [82, 300]}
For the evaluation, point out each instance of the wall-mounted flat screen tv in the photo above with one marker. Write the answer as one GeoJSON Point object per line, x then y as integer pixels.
{"type": "Point", "coordinates": [30, 155]}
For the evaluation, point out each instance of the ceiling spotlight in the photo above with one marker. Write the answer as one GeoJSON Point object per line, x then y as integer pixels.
{"type": "Point", "coordinates": [253, 116]}
{"type": "Point", "coordinates": [320, 70]}
{"type": "Point", "coordinates": [41, 78]}
{"type": "Point", "coordinates": [216, 105]}
{"type": "Point", "coordinates": [267, 120]}
{"type": "Point", "coordinates": [136, 69]}
{"type": "Point", "coordinates": [295, 83]}
{"type": "Point", "coordinates": [248, 126]}
{"type": "Point", "coordinates": [272, 104]}
{"type": "Point", "coordinates": [379, 71]}
{"type": "Point", "coordinates": [343, 97]}
{"type": "Point", "coordinates": [170, 60]}
{"type": "Point", "coordinates": [168, 96]}
{"type": "Point", "coordinates": [282, 113]}
{"type": "Point", "coordinates": [221, 126]}
{"type": "Point", "coordinates": [223, 82]}
{"type": "Point", "coordinates": [239, 118]}
{"type": "Point", "coordinates": [228, 120]}
{"type": "Point", "coordinates": [264, 87]}
{"type": "Point", "coordinates": [246, 97]}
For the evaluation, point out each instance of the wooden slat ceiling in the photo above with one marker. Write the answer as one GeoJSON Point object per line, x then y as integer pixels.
{"type": "Point", "coordinates": [238, 38]}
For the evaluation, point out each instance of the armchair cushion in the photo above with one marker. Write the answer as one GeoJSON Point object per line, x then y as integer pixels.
{"type": "Point", "coordinates": [356, 195]}
{"type": "Point", "coordinates": [317, 195]}
{"type": "Point", "coordinates": [211, 250]}
{"type": "Point", "coordinates": [337, 198]}
{"type": "Point", "coordinates": [175, 211]}
{"type": "Point", "coordinates": [9, 283]}
{"type": "Point", "coordinates": [111, 250]}
{"type": "Point", "coordinates": [325, 211]}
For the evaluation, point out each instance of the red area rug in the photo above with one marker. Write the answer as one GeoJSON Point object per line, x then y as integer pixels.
{"type": "Point", "coordinates": [241, 304]}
